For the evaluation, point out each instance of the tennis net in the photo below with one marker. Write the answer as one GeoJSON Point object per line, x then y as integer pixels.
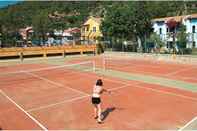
{"type": "Point", "coordinates": [111, 62]}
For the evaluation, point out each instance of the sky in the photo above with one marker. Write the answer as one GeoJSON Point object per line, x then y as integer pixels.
{"type": "Point", "coordinates": [8, 2]}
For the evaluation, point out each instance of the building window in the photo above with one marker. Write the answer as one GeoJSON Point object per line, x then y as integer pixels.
{"type": "Point", "coordinates": [194, 44]}
{"type": "Point", "coordinates": [87, 29]}
{"type": "Point", "coordinates": [167, 30]}
{"type": "Point", "coordinates": [83, 29]}
{"type": "Point", "coordinates": [94, 29]}
{"type": "Point", "coordinates": [160, 31]}
{"type": "Point", "coordinates": [167, 45]}
{"type": "Point", "coordinates": [193, 29]}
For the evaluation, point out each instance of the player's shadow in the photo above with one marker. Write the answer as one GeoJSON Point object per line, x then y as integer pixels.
{"type": "Point", "coordinates": [106, 112]}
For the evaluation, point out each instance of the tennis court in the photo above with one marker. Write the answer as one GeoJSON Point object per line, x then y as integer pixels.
{"type": "Point", "coordinates": [146, 94]}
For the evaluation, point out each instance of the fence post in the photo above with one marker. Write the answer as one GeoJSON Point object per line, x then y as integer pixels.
{"type": "Point", "coordinates": [81, 52]}
{"type": "Point", "coordinates": [44, 52]}
{"type": "Point", "coordinates": [21, 56]}
{"type": "Point", "coordinates": [63, 53]}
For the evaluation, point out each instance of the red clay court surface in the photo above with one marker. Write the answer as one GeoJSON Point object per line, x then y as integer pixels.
{"type": "Point", "coordinates": [175, 71]}
{"type": "Point", "coordinates": [59, 100]}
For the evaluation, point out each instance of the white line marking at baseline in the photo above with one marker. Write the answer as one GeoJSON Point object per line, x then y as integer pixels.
{"type": "Point", "coordinates": [55, 83]}
{"type": "Point", "coordinates": [54, 67]}
{"type": "Point", "coordinates": [8, 73]}
{"type": "Point", "coordinates": [164, 76]}
{"type": "Point", "coordinates": [169, 74]}
{"type": "Point", "coordinates": [46, 68]}
{"type": "Point", "coordinates": [31, 117]}
{"type": "Point", "coordinates": [195, 118]}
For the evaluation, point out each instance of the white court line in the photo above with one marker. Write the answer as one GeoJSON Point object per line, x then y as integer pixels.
{"type": "Point", "coordinates": [166, 75]}
{"type": "Point", "coordinates": [97, 75]}
{"type": "Point", "coordinates": [117, 88]}
{"type": "Point", "coordinates": [166, 92]}
{"type": "Point", "coordinates": [55, 83]}
{"type": "Point", "coordinates": [71, 100]}
{"type": "Point", "coordinates": [190, 78]}
{"type": "Point", "coordinates": [54, 67]}
{"type": "Point", "coordinates": [151, 73]}
{"type": "Point", "coordinates": [8, 73]}
{"type": "Point", "coordinates": [31, 117]}
{"type": "Point", "coordinates": [138, 71]}
{"type": "Point", "coordinates": [156, 90]}
{"type": "Point", "coordinates": [108, 79]}
{"type": "Point", "coordinates": [73, 72]}
{"type": "Point", "coordinates": [178, 71]}
{"type": "Point", "coordinates": [195, 118]}
{"type": "Point", "coordinates": [129, 63]}
{"type": "Point", "coordinates": [46, 68]}
{"type": "Point", "coordinates": [58, 103]}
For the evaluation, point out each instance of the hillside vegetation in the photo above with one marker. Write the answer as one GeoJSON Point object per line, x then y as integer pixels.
{"type": "Point", "coordinates": [45, 16]}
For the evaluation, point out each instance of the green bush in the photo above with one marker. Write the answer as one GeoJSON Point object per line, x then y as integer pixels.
{"type": "Point", "coordinates": [187, 51]}
{"type": "Point", "coordinates": [117, 46]}
{"type": "Point", "coordinates": [194, 51]}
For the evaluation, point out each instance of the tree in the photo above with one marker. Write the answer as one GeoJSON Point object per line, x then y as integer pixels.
{"type": "Point", "coordinates": [115, 23]}
{"type": "Point", "coordinates": [142, 21]}
{"type": "Point", "coordinates": [182, 38]}
{"type": "Point", "coordinates": [127, 21]}
{"type": "Point", "coordinates": [155, 41]}
{"type": "Point", "coordinates": [41, 25]}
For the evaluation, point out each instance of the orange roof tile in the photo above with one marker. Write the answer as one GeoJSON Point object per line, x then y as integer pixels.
{"type": "Point", "coordinates": [176, 18]}
{"type": "Point", "coordinates": [96, 19]}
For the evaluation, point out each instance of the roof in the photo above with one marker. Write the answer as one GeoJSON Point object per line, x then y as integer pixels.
{"type": "Point", "coordinates": [72, 30]}
{"type": "Point", "coordinates": [96, 19]}
{"type": "Point", "coordinates": [192, 16]}
{"type": "Point", "coordinates": [176, 18]}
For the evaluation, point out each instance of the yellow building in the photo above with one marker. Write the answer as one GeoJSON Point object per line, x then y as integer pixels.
{"type": "Point", "coordinates": [91, 29]}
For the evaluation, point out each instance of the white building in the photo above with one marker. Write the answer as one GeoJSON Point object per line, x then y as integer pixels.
{"type": "Point", "coordinates": [190, 21]}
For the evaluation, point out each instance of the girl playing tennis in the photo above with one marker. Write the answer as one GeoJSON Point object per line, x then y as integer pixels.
{"type": "Point", "coordinates": [96, 101]}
